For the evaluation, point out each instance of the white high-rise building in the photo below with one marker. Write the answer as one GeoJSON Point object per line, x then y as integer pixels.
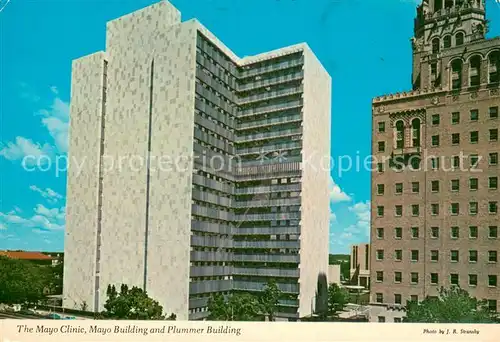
{"type": "Point", "coordinates": [202, 172]}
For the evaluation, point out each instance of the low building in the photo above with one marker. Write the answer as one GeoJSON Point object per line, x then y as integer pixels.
{"type": "Point", "coordinates": [35, 257]}
{"type": "Point", "coordinates": [360, 265]}
{"type": "Point", "coordinates": [381, 313]}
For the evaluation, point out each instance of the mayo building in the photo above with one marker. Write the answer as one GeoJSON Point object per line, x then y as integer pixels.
{"type": "Point", "coordinates": [203, 172]}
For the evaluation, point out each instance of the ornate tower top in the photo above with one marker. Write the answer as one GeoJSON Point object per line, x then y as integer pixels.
{"type": "Point", "coordinates": [454, 22]}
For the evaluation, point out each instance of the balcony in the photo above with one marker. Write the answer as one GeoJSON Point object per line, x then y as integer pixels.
{"type": "Point", "coordinates": [266, 272]}
{"type": "Point", "coordinates": [408, 150]}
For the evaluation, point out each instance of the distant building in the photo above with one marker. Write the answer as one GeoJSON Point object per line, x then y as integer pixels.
{"type": "Point", "coordinates": [360, 265]}
{"type": "Point", "coordinates": [35, 257]}
{"type": "Point", "coordinates": [334, 274]}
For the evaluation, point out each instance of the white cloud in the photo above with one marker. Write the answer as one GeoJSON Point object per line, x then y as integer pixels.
{"type": "Point", "coordinates": [54, 90]}
{"type": "Point", "coordinates": [25, 147]}
{"type": "Point", "coordinates": [48, 193]}
{"type": "Point", "coordinates": [43, 219]}
{"type": "Point", "coordinates": [56, 120]}
{"type": "Point", "coordinates": [362, 212]}
{"type": "Point", "coordinates": [3, 226]}
{"type": "Point", "coordinates": [333, 217]}
{"type": "Point", "coordinates": [336, 194]}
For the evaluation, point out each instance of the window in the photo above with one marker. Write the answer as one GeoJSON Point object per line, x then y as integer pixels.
{"type": "Point", "coordinates": [447, 42]}
{"type": "Point", "coordinates": [435, 186]}
{"type": "Point", "coordinates": [398, 320]}
{"type": "Point", "coordinates": [398, 254]}
{"type": "Point", "coordinates": [493, 112]}
{"type": "Point", "coordinates": [454, 280]}
{"type": "Point", "coordinates": [492, 305]}
{"type": "Point", "coordinates": [415, 132]}
{"type": "Point", "coordinates": [456, 74]}
{"type": "Point", "coordinates": [380, 189]}
{"type": "Point", "coordinates": [455, 185]}
{"type": "Point", "coordinates": [494, 66]}
{"type": "Point", "coordinates": [414, 277]}
{"type": "Point", "coordinates": [474, 115]}
{"type": "Point", "coordinates": [435, 140]}
{"type": "Point", "coordinates": [380, 167]}
{"type": "Point", "coordinates": [472, 256]}
{"type": "Point", "coordinates": [381, 319]}
{"type": "Point", "coordinates": [455, 209]}
{"type": "Point", "coordinates": [379, 298]}
{"type": "Point", "coordinates": [381, 146]}
{"type": "Point", "coordinates": [398, 233]}
{"type": "Point", "coordinates": [380, 211]}
{"type": "Point", "coordinates": [380, 254]}
{"type": "Point", "coordinates": [397, 299]}
{"type": "Point", "coordinates": [415, 209]}
{"type": "Point", "coordinates": [380, 233]}
{"type": "Point", "coordinates": [434, 209]}
{"type": "Point", "coordinates": [381, 127]}
{"type": "Point", "coordinates": [473, 232]}
{"type": "Point", "coordinates": [475, 71]}
{"type": "Point", "coordinates": [493, 183]}
{"type": "Point", "coordinates": [435, 163]}
{"type": "Point", "coordinates": [455, 118]}
{"type": "Point", "coordinates": [400, 134]}
{"type": "Point", "coordinates": [492, 256]}
{"type": "Point", "coordinates": [473, 208]}
{"type": "Point", "coordinates": [398, 277]}
{"type": "Point", "coordinates": [455, 138]}
{"type": "Point", "coordinates": [455, 232]}
{"type": "Point", "coordinates": [492, 280]}
{"type": "Point", "coordinates": [474, 137]}
{"type": "Point", "coordinates": [399, 188]}
{"type": "Point", "coordinates": [454, 256]}
{"type": "Point", "coordinates": [493, 158]}
{"type": "Point", "coordinates": [459, 39]}
{"type": "Point", "coordinates": [415, 187]}
{"type": "Point", "coordinates": [474, 160]}
{"type": "Point", "coordinates": [414, 255]}
{"type": "Point", "coordinates": [380, 276]}
{"type": "Point", "coordinates": [434, 232]}
{"type": "Point", "coordinates": [434, 255]}
{"type": "Point", "coordinates": [472, 279]}
{"type": "Point", "coordinates": [492, 207]}
{"type": "Point", "coordinates": [434, 278]}
{"type": "Point", "coordinates": [435, 45]}
{"type": "Point", "coordinates": [398, 210]}
{"type": "Point", "coordinates": [435, 119]}
{"type": "Point", "coordinates": [414, 298]}
{"type": "Point", "coordinates": [414, 232]}
{"type": "Point", "coordinates": [455, 162]}
{"type": "Point", "coordinates": [494, 134]}
{"type": "Point", "coordinates": [473, 184]}
{"type": "Point", "coordinates": [492, 232]}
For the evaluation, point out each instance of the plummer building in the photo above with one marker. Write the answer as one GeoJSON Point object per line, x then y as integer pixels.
{"type": "Point", "coordinates": [202, 172]}
{"type": "Point", "coordinates": [435, 186]}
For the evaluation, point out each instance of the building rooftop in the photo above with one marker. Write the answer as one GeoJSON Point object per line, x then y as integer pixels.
{"type": "Point", "coordinates": [23, 255]}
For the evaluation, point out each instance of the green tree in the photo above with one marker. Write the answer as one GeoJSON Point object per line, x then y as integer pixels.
{"type": "Point", "coordinates": [21, 282]}
{"type": "Point", "coordinates": [453, 305]}
{"type": "Point", "coordinates": [337, 299]}
{"type": "Point", "coordinates": [270, 298]}
{"type": "Point", "coordinates": [236, 307]}
{"type": "Point", "coordinates": [131, 304]}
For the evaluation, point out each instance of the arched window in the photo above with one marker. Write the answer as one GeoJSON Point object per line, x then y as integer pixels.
{"type": "Point", "coordinates": [494, 67]}
{"type": "Point", "coordinates": [415, 132]}
{"type": "Point", "coordinates": [456, 74]}
{"type": "Point", "coordinates": [447, 42]}
{"type": "Point", "coordinates": [435, 45]}
{"type": "Point", "coordinates": [459, 39]}
{"type": "Point", "coordinates": [438, 5]}
{"type": "Point", "coordinates": [475, 71]}
{"type": "Point", "coordinates": [400, 134]}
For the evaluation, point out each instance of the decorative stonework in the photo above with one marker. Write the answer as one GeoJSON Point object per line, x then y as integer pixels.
{"type": "Point", "coordinates": [435, 100]}
{"type": "Point", "coordinates": [473, 95]}
{"type": "Point", "coordinates": [407, 117]}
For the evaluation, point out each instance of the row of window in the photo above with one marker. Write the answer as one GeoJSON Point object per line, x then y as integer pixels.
{"type": "Point", "coordinates": [434, 255]}
{"type": "Point", "coordinates": [435, 139]}
{"type": "Point", "coordinates": [491, 279]}
{"type": "Point", "coordinates": [473, 137]}
{"type": "Point", "coordinates": [435, 186]}
{"type": "Point", "coordinates": [435, 232]}
{"type": "Point", "coordinates": [454, 209]}
{"type": "Point", "coordinates": [455, 118]}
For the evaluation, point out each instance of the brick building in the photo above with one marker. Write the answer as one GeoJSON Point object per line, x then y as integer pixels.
{"type": "Point", "coordinates": [435, 186]}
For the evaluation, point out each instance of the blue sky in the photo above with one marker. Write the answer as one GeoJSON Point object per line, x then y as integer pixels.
{"type": "Point", "coordinates": [364, 45]}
